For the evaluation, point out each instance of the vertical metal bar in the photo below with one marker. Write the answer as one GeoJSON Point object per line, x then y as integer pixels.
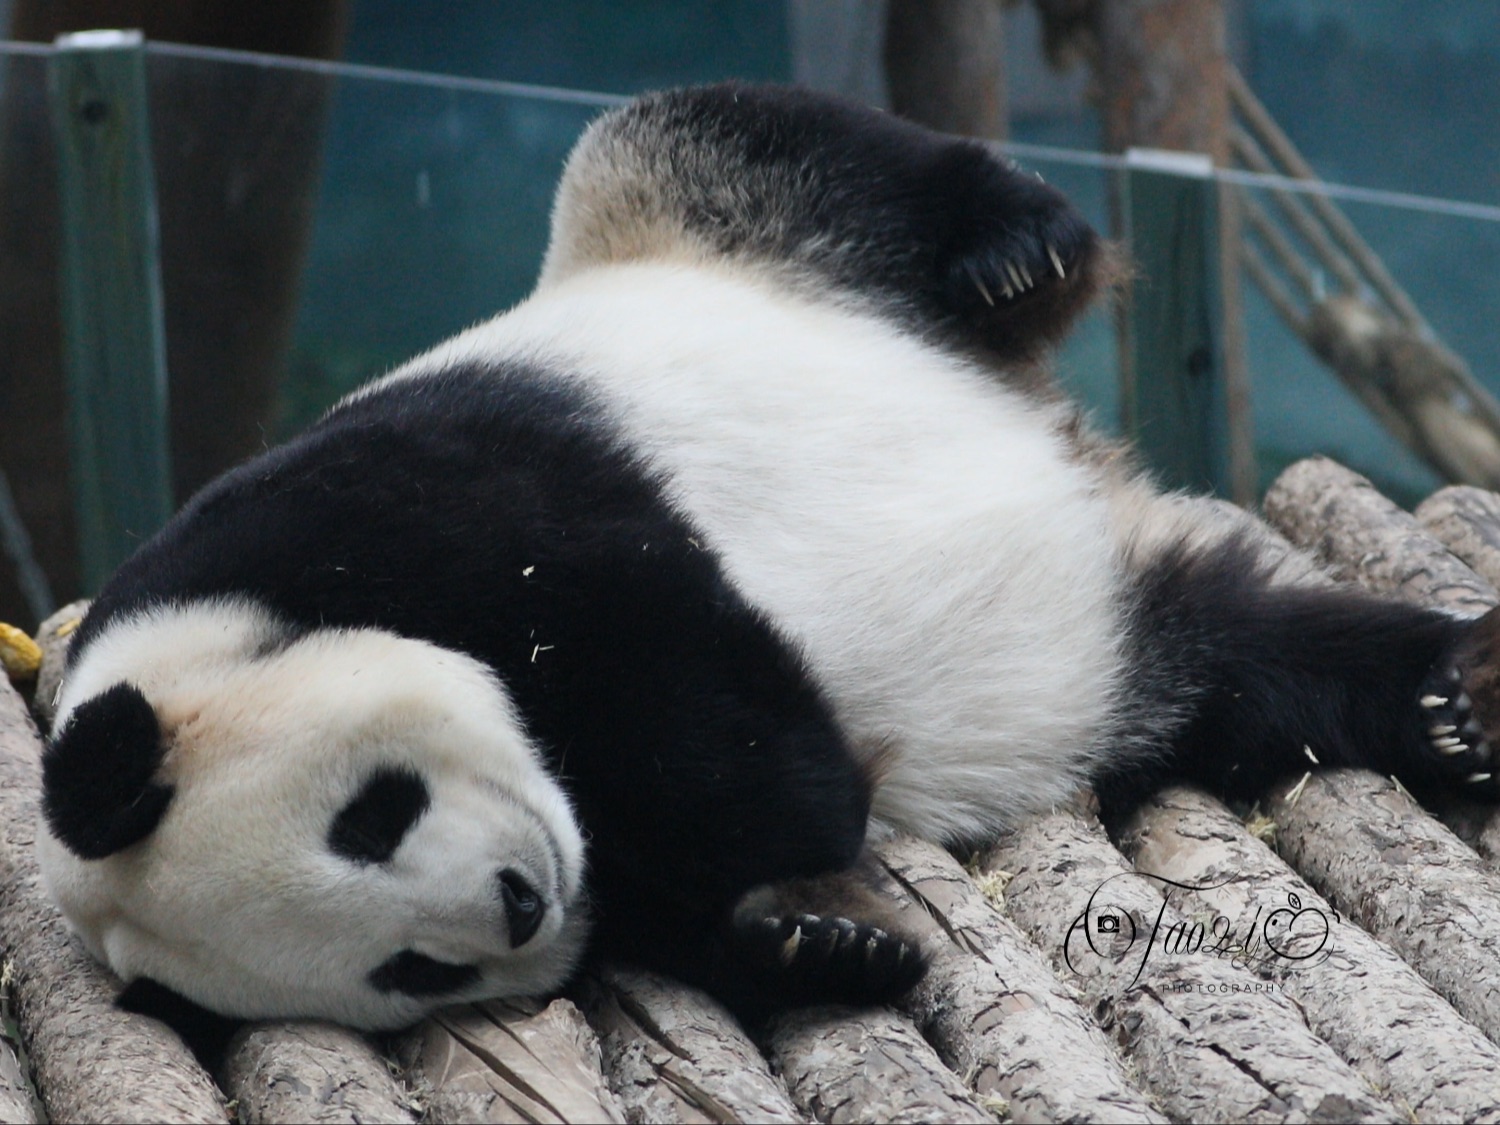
{"type": "Point", "coordinates": [114, 345]}
{"type": "Point", "coordinates": [1173, 395]}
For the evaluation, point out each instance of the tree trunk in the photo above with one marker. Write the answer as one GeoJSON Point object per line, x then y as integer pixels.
{"type": "Point", "coordinates": [945, 65]}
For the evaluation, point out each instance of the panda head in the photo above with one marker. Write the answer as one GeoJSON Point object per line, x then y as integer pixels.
{"type": "Point", "coordinates": [342, 824]}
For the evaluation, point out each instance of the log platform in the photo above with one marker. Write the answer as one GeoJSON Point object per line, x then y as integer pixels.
{"type": "Point", "coordinates": [1333, 955]}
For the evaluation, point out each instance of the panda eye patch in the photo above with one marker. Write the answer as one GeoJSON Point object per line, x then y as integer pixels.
{"type": "Point", "coordinates": [416, 974]}
{"type": "Point", "coordinates": [371, 827]}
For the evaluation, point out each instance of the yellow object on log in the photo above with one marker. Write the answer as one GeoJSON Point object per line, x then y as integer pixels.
{"type": "Point", "coordinates": [19, 654]}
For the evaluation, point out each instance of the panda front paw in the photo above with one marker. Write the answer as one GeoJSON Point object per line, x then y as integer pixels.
{"type": "Point", "coordinates": [1460, 709]}
{"type": "Point", "coordinates": [832, 960]}
{"type": "Point", "coordinates": [1028, 259]}
{"type": "Point", "coordinates": [1017, 272]}
{"type": "Point", "coordinates": [1456, 743]}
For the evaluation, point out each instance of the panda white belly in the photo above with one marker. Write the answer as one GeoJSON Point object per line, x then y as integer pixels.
{"type": "Point", "coordinates": [959, 601]}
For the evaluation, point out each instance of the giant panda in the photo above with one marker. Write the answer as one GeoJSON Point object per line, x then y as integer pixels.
{"type": "Point", "coordinates": [617, 626]}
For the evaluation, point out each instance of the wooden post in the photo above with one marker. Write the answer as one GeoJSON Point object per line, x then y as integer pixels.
{"type": "Point", "coordinates": [114, 346]}
{"type": "Point", "coordinates": [1172, 394]}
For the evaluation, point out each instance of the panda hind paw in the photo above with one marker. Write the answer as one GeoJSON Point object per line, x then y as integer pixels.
{"type": "Point", "coordinates": [833, 959]}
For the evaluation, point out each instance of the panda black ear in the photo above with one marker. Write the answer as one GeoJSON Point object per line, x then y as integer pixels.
{"type": "Point", "coordinates": [97, 792]}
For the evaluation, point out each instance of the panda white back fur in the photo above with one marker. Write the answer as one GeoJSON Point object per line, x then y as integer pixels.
{"type": "Point", "coordinates": [620, 621]}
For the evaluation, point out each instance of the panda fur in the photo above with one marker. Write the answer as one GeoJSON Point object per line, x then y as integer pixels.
{"type": "Point", "coordinates": [619, 624]}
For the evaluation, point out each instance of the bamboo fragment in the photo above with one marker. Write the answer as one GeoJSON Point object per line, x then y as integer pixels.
{"type": "Point", "coordinates": [511, 1061]}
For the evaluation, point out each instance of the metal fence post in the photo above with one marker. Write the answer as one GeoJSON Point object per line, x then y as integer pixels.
{"type": "Point", "coordinates": [114, 344]}
{"type": "Point", "coordinates": [1173, 396]}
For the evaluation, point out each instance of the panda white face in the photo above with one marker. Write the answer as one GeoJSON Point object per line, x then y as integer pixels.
{"type": "Point", "coordinates": [355, 826]}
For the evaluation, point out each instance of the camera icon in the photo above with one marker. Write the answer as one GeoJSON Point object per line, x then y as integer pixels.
{"type": "Point", "coordinates": [1107, 924]}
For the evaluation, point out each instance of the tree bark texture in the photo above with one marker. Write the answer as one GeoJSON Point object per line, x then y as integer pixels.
{"type": "Point", "coordinates": [1404, 877]}
{"type": "Point", "coordinates": [673, 1055]}
{"type": "Point", "coordinates": [869, 1066]}
{"type": "Point", "coordinates": [1361, 536]}
{"type": "Point", "coordinates": [1466, 520]}
{"type": "Point", "coordinates": [312, 1072]}
{"type": "Point", "coordinates": [994, 1010]}
{"type": "Point", "coordinates": [1361, 997]}
{"type": "Point", "coordinates": [1213, 1041]}
{"type": "Point", "coordinates": [91, 1061]}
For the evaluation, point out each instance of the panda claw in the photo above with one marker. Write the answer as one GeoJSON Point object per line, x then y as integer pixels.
{"type": "Point", "coordinates": [1432, 702]}
{"type": "Point", "coordinates": [1478, 778]}
{"type": "Point", "coordinates": [1442, 730]}
{"type": "Point", "coordinates": [979, 284]}
{"type": "Point", "coordinates": [1056, 262]}
{"type": "Point", "coordinates": [790, 947]}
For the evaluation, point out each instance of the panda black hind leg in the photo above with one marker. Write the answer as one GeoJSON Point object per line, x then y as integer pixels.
{"type": "Point", "coordinates": [940, 233]}
{"type": "Point", "coordinates": [1245, 665]}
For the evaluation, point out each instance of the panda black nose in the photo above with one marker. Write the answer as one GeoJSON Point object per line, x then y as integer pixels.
{"type": "Point", "coordinates": [523, 907]}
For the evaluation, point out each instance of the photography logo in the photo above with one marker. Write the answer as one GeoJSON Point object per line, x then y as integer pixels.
{"type": "Point", "coordinates": [1273, 939]}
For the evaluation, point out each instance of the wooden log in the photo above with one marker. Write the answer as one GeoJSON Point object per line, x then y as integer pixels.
{"type": "Point", "coordinates": [1363, 537]}
{"type": "Point", "coordinates": [1213, 1041]}
{"type": "Point", "coordinates": [996, 1013]}
{"type": "Point", "coordinates": [1402, 876]}
{"type": "Point", "coordinates": [510, 1061]}
{"type": "Point", "coordinates": [1363, 999]}
{"type": "Point", "coordinates": [868, 1066]}
{"type": "Point", "coordinates": [18, 1100]}
{"type": "Point", "coordinates": [312, 1072]}
{"type": "Point", "coordinates": [672, 1054]}
{"type": "Point", "coordinates": [1466, 520]}
{"type": "Point", "coordinates": [91, 1061]}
